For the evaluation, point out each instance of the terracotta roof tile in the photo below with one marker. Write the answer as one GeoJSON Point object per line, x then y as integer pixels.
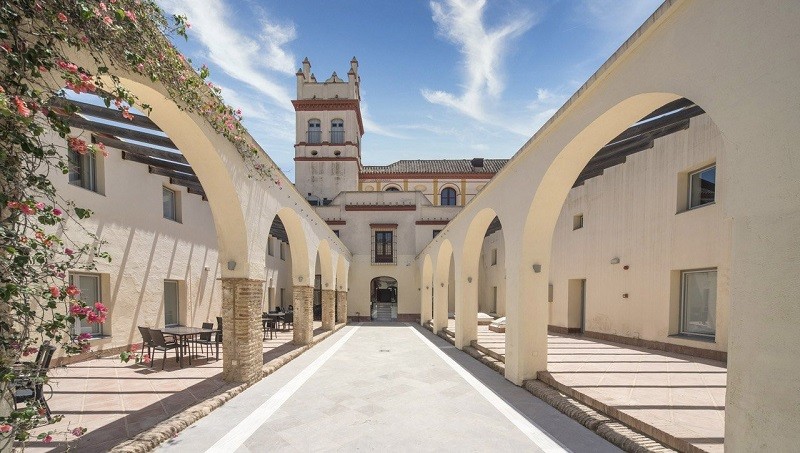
{"type": "Point", "coordinates": [437, 166]}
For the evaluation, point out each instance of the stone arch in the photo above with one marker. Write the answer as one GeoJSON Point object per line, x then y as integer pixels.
{"type": "Point", "coordinates": [302, 262]}
{"type": "Point", "coordinates": [441, 285]}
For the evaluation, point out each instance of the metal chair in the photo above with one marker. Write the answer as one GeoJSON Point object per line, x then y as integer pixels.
{"type": "Point", "coordinates": [205, 340]}
{"type": "Point", "coordinates": [268, 325]}
{"type": "Point", "coordinates": [30, 386]}
{"type": "Point", "coordinates": [147, 342]}
{"type": "Point", "coordinates": [161, 344]}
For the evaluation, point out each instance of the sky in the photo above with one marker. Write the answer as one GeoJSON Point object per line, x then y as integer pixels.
{"type": "Point", "coordinates": [440, 79]}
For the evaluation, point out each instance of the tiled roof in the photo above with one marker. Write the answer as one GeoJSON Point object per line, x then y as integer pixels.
{"type": "Point", "coordinates": [437, 166]}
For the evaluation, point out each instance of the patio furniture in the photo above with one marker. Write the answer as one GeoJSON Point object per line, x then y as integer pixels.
{"type": "Point", "coordinates": [161, 344]}
{"type": "Point", "coordinates": [29, 385]}
{"type": "Point", "coordinates": [204, 339]}
{"type": "Point", "coordinates": [288, 319]}
{"type": "Point", "coordinates": [269, 323]}
{"type": "Point", "coordinates": [184, 335]}
{"type": "Point", "coordinates": [147, 342]}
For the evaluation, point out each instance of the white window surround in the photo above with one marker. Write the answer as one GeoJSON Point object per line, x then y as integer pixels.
{"type": "Point", "coordinates": [698, 302]}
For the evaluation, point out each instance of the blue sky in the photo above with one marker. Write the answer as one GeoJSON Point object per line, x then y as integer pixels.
{"type": "Point", "coordinates": [439, 79]}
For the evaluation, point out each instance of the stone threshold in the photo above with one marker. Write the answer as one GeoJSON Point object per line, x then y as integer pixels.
{"type": "Point", "coordinates": [624, 435]}
{"type": "Point", "coordinates": [169, 428]}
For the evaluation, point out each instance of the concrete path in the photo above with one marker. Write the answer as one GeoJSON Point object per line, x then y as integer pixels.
{"type": "Point", "coordinates": [385, 387]}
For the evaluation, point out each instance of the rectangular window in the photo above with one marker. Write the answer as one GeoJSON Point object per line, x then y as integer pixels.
{"type": "Point", "coordinates": [384, 247]}
{"type": "Point", "coordinates": [170, 303]}
{"type": "Point", "coordinates": [283, 253]}
{"type": "Point", "coordinates": [702, 187]}
{"type": "Point", "coordinates": [170, 204]}
{"type": "Point", "coordinates": [90, 293]}
{"type": "Point", "coordinates": [699, 302]}
{"type": "Point", "coordinates": [436, 232]}
{"type": "Point", "coordinates": [270, 247]}
{"type": "Point", "coordinates": [577, 222]}
{"type": "Point", "coordinates": [494, 257]}
{"type": "Point", "coordinates": [82, 170]}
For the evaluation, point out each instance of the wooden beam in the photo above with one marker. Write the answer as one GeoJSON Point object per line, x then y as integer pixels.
{"type": "Point", "coordinates": [678, 116]}
{"type": "Point", "coordinates": [195, 191]}
{"type": "Point", "coordinates": [117, 131]}
{"type": "Point", "coordinates": [669, 107]}
{"type": "Point", "coordinates": [174, 174]}
{"type": "Point", "coordinates": [186, 183]}
{"type": "Point", "coordinates": [143, 150]}
{"type": "Point", "coordinates": [108, 113]}
{"type": "Point", "coordinates": [157, 163]}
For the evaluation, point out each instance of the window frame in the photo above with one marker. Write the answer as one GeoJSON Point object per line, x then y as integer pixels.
{"type": "Point", "coordinates": [577, 221]}
{"type": "Point", "coordinates": [682, 330]}
{"type": "Point", "coordinates": [175, 204]}
{"type": "Point", "coordinates": [689, 177]}
{"type": "Point", "coordinates": [493, 257]}
{"type": "Point", "coordinates": [283, 253]}
{"type": "Point", "coordinates": [270, 246]}
{"type": "Point", "coordinates": [436, 232]}
{"type": "Point", "coordinates": [316, 138]}
{"type": "Point", "coordinates": [86, 169]}
{"type": "Point", "coordinates": [390, 244]}
{"type": "Point", "coordinates": [337, 131]}
{"type": "Point", "coordinates": [77, 329]}
{"type": "Point", "coordinates": [442, 197]}
{"type": "Point", "coordinates": [177, 302]}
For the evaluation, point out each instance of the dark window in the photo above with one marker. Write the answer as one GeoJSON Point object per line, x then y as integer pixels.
{"type": "Point", "coordinates": [392, 189]}
{"type": "Point", "coordinates": [314, 131]}
{"type": "Point", "coordinates": [336, 232]}
{"type": "Point", "coordinates": [82, 170]}
{"type": "Point", "coordinates": [337, 131]}
{"type": "Point", "coordinates": [448, 196]}
{"type": "Point", "coordinates": [384, 246]}
{"type": "Point", "coordinates": [702, 187]}
{"type": "Point", "coordinates": [436, 232]}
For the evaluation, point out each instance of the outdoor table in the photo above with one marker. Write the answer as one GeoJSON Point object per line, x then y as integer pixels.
{"type": "Point", "coordinates": [182, 336]}
{"type": "Point", "coordinates": [275, 316]}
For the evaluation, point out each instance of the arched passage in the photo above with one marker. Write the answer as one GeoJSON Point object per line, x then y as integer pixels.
{"type": "Point", "coordinates": [479, 264]}
{"type": "Point", "coordinates": [342, 285]}
{"type": "Point", "coordinates": [383, 298]}
{"type": "Point", "coordinates": [426, 290]}
{"type": "Point", "coordinates": [441, 285]}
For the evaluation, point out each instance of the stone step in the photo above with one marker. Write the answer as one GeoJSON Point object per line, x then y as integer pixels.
{"type": "Point", "coordinates": [487, 351]}
{"type": "Point", "coordinates": [449, 332]}
{"type": "Point", "coordinates": [491, 362]}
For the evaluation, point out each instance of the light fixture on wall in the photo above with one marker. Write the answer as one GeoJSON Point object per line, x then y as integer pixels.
{"type": "Point", "coordinates": [231, 265]}
{"type": "Point", "coordinates": [442, 285]}
{"type": "Point", "coordinates": [615, 260]}
{"type": "Point", "coordinates": [469, 279]}
{"type": "Point", "coordinates": [537, 268]}
{"type": "Point", "coordinates": [300, 278]}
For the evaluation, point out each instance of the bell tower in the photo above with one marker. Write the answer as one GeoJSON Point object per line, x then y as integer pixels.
{"type": "Point", "coordinates": [328, 134]}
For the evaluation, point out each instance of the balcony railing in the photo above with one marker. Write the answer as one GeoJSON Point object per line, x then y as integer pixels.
{"type": "Point", "coordinates": [337, 137]}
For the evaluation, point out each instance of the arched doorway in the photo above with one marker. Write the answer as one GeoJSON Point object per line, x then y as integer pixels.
{"type": "Point", "coordinates": [383, 299]}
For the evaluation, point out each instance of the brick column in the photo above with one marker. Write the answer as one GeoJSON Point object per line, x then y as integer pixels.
{"type": "Point", "coordinates": [242, 356]}
{"type": "Point", "coordinates": [328, 309]}
{"type": "Point", "coordinates": [341, 308]}
{"type": "Point", "coordinates": [303, 298]}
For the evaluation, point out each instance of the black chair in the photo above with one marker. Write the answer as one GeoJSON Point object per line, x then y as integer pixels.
{"type": "Point", "coordinates": [30, 385]}
{"type": "Point", "coordinates": [205, 340]}
{"type": "Point", "coordinates": [161, 344]}
{"type": "Point", "coordinates": [147, 342]}
{"type": "Point", "coordinates": [268, 324]}
{"type": "Point", "coordinates": [288, 319]}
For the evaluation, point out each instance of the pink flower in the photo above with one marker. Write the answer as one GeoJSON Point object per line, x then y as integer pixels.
{"type": "Point", "coordinates": [135, 347]}
{"type": "Point", "coordinates": [29, 351]}
{"type": "Point", "coordinates": [62, 18]}
{"type": "Point", "coordinates": [126, 114]}
{"type": "Point", "coordinates": [102, 147]}
{"type": "Point", "coordinates": [27, 209]}
{"type": "Point", "coordinates": [6, 428]}
{"type": "Point", "coordinates": [130, 15]}
{"type": "Point", "coordinates": [6, 47]}
{"type": "Point", "coordinates": [140, 67]}
{"type": "Point", "coordinates": [69, 252]}
{"type": "Point", "coordinates": [22, 109]}
{"type": "Point", "coordinates": [55, 292]}
{"type": "Point", "coordinates": [78, 432]}
{"type": "Point", "coordinates": [40, 206]}
{"type": "Point", "coordinates": [146, 359]}
{"type": "Point", "coordinates": [73, 291]}
{"type": "Point", "coordinates": [78, 145]}
{"type": "Point", "coordinates": [70, 67]}
{"type": "Point", "coordinates": [103, 6]}
{"type": "Point", "coordinates": [108, 21]}
{"type": "Point", "coordinates": [57, 212]}
{"type": "Point", "coordinates": [47, 439]}
{"type": "Point", "coordinates": [100, 307]}
{"type": "Point", "coordinates": [75, 310]}
{"type": "Point", "coordinates": [84, 336]}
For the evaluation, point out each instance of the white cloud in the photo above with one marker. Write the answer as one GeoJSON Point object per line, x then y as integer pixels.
{"type": "Point", "coordinates": [233, 51]}
{"type": "Point", "coordinates": [617, 18]}
{"type": "Point", "coordinates": [371, 127]}
{"type": "Point", "coordinates": [462, 22]}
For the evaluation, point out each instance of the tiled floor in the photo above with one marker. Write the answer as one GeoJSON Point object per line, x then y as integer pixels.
{"type": "Point", "coordinates": [116, 401]}
{"type": "Point", "coordinates": [681, 395]}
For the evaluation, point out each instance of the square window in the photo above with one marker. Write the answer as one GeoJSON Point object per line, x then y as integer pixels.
{"type": "Point", "coordinates": [270, 247]}
{"type": "Point", "coordinates": [494, 257]}
{"type": "Point", "coordinates": [283, 253]}
{"type": "Point", "coordinates": [82, 170]}
{"type": "Point", "coordinates": [89, 284]}
{"type": "Point", "coordinates": [699, 302]}
{"type": "Point", "coordinates": [577, 222]}
{"type": "Point", "coordinates": [170, 204]}
{"type": "Point", "coordinates": [702, 187]}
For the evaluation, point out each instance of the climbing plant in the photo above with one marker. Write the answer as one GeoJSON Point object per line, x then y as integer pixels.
{"type": "Point", "coordinates": [49, 48]}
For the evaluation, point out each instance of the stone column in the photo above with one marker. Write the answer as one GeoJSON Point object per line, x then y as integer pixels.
{"type": "Point", "coordinates": [466, 310]}
{"type": "Point", "coordinates": [328, 309]}
{"type": "Point", "coordinates": [242, 356]}
{"type": "Point", "coordinates": [303, 299]}
{"type": "Point", "coordinates": [440, 302]}
{"type": "Point", "coordinates": [341, 309]}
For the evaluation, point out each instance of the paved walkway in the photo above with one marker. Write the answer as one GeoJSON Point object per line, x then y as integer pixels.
{"type": "Point", "coordinates": [116, 401]}
{"type": "Point", "coordinates": [681, 395]}
{"type": "Point", "coordinates": [389, 387]}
